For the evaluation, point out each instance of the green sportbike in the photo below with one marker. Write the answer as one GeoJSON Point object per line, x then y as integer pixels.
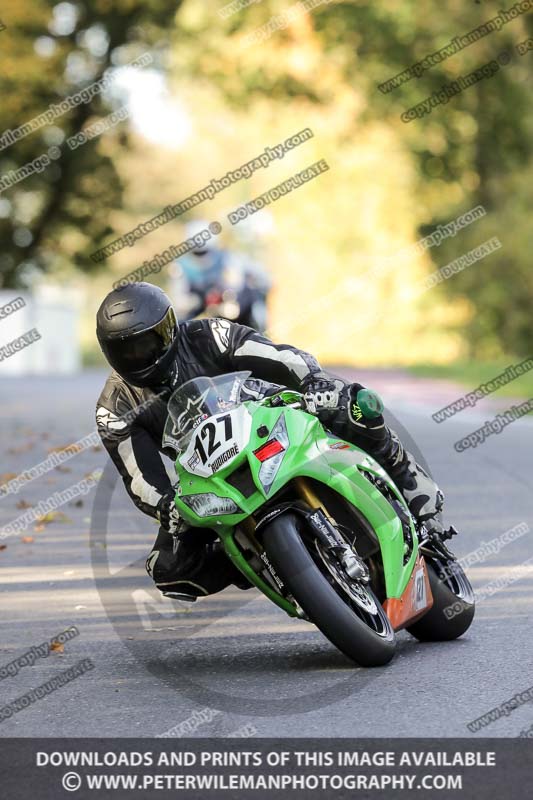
{"type": "Point", "coordinates": [312, 521]}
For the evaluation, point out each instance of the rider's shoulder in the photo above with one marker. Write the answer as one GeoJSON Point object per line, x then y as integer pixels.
{"type": "Point", "coordinates": [118, 393]}
{"type": "Point", "coordinates": [192, 328]}
{"type": "Point", "coordinates": [202, 332]}
{"type": "Point", "coordinates": [116, 404]}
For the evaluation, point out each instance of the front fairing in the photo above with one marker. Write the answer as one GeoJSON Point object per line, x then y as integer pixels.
{"type": "Point", "coordinates": [311, 453]}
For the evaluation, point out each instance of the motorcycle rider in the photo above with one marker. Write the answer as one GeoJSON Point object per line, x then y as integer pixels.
{"type": "Point", "coordinates": [151, 354]}
{"type": "Point", "coordinates": [197, 274]}
{"type": "Point", "coordinates": [210, 272]}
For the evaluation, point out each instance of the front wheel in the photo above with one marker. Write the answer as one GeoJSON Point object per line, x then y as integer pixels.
{"type": "Point", "coordinates": [355, 623]}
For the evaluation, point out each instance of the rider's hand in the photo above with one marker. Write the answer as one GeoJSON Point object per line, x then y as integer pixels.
{"type": "Point", "coordinates": [323, 393]}
{"type": "Point", "coordinates": [168, 515]}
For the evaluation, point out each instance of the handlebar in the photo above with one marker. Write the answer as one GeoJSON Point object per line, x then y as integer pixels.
{"type": "Point", "coordinates": [275, 401]}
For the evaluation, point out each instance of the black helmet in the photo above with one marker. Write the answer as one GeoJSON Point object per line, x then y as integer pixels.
{"type": "Point", "coordinates": [138, 333]}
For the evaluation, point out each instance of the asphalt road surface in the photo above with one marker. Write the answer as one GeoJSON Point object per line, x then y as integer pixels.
{"type": "Point", "coordinates": [155, 662]}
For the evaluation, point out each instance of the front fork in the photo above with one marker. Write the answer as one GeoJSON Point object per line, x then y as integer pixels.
{"type": "Point", "coordinates": [328, 534]}
{"type": "Point", "coordinates": [237, 558]}
{"type": "Point", "coordinates": [325, 531]}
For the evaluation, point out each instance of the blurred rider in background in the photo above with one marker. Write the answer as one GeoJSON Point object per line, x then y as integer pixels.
{"type": "Point", "coordinates": [211, 281]}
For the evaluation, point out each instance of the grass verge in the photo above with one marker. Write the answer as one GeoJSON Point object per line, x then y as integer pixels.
{"type": "Point", "coordinates": [471, 374]}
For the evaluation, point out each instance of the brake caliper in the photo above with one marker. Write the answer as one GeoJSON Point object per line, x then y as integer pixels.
{"type": "Point", "coordinates": [332, 540]}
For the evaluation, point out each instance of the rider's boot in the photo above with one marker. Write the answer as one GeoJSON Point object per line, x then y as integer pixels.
{"type": "Point", "coordinates": [423, 496]}
{"type": "Point", "coordinates": [191, 565]}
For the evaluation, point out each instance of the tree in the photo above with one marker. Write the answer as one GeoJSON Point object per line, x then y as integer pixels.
{"type": "Point", "coordinates": [61, 214]}
{"type": "Point", "coordinates": [474, 149]}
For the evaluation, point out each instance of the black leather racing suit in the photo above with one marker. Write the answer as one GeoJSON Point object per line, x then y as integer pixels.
{"type": "Point", "coordinates": [131, 421]}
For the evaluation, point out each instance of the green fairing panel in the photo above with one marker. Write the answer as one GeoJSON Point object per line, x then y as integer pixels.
{"type": "Point", "coordinates": [316, 457]}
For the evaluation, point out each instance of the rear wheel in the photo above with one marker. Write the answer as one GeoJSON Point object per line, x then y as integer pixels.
{"type": "Point", "coordinates": [346, 611]}
{"type": "Point", "coordinates": [453, 603]}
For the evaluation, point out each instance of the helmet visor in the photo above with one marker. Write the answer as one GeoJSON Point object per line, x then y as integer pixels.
{"type": "Point", "coordinates": [140, 351]}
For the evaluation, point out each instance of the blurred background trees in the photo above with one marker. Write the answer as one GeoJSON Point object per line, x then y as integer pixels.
{"type": "Point", "coordinates": [54, 220]}
{"type": "Point", "coordinates": [211, 101]}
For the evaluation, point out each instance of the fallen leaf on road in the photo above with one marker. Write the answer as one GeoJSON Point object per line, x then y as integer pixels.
{"type": "Point", "coordinates": [7, 476]}
{"type": "Point", "coordinates": [71, 448]}
{"type": "Point", "coordinates": [3, 546]}
{"type": "Point", "coordinates": [60, 468]}
{"type": "Point", "coordinates": [15, 451]}
{"type": "Point", "coordinates": [27, 539]}
{"type": "Point", "coordinates": [27, 432]}
{"type": "Point", "coordinates": [38, 528]}
{"type": "Point", "coordinates": [57, 647]}
{"type": "Point", "coordinates": [53, 516]}
{"type": "Point", "coordinates": [24, 504]}
{"type": "Point", "coordinates": [77, 503]}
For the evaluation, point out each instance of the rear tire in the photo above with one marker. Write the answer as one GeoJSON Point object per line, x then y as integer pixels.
{"type": "Point", "coordinates": [451, 614]}
{"type": "Point", "coordinates": [325, 608]}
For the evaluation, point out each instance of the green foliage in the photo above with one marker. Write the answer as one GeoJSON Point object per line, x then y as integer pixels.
{"type": "Point", "coordinates": [475, 149]}
{"type": "Point", "coordinates": [60, 215]}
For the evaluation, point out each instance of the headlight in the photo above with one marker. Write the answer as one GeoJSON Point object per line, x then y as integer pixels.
{"type": "Point", "coordinates": [269, 470]}
{"type": "Point", "coordinates": [210, 505]}
{"type": "Point", "coordinates": [272, 453]}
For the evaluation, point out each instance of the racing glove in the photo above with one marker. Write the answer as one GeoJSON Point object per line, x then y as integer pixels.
{"type": "Point", "coordinates": [322, 393]}
{"type": "Point", "coordinates": [168, 515]}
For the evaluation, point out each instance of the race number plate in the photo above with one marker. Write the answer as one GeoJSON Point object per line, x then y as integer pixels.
{"type": "Point", "coordinates": [217, 441]}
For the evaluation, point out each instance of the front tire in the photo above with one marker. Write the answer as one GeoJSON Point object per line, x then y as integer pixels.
{"type": "Point", "coordinates": [332, 614]}
{"type": "Point", "coordinates": [453, 606]}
